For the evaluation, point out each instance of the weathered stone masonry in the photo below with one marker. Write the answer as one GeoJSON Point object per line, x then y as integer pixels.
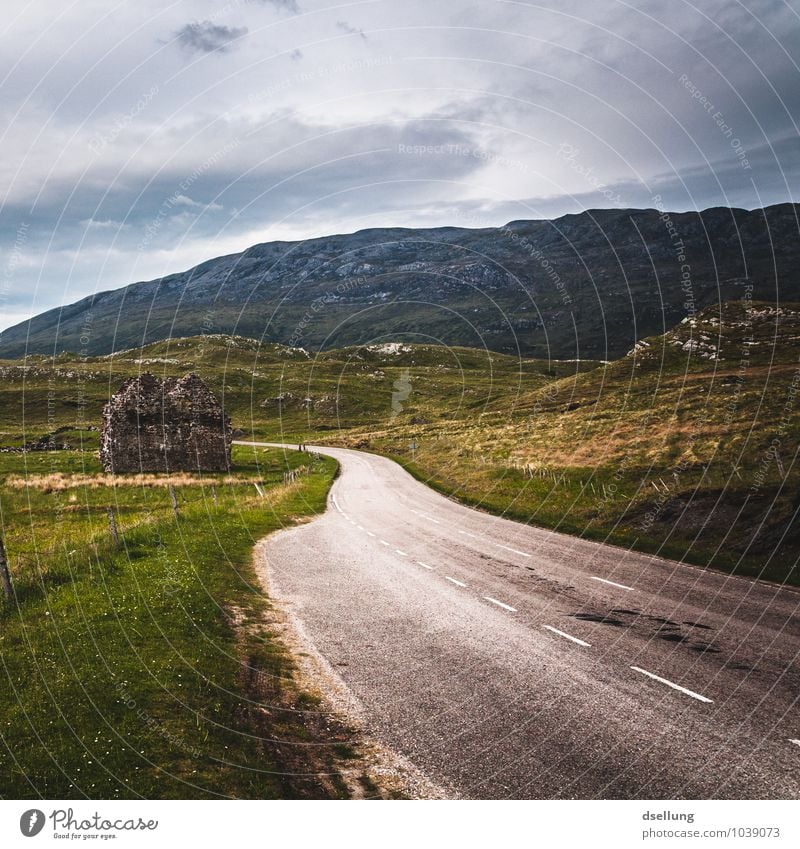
{"type": "Point", "coordinates": [172, 425]}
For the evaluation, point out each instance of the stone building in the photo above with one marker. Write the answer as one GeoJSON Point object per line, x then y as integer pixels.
{"type": "Point", "coordinates": [174, 425]}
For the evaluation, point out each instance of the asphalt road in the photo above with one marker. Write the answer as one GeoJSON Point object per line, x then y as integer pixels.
{"type": "Point", "coordinates": [512, 662]}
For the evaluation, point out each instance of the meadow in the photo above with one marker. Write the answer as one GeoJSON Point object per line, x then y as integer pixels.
{"type": "Point", "coordinates": [150, 665]}
{"type": "Point", "coordinates": [685, 447]}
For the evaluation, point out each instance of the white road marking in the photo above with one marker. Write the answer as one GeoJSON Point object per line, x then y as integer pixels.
{"type": "Point", "coordinates": [515, 550]}
{"type": "Point", "coordinates": [424, 565]}
{"type": "Point", "coordinates": [383, 542]}
{"type": "Point", "coordinates": [401, 552]}
{"type": "Point", "coordinates": [567, 636]}
{"type": "Point", "coordinates": [360, 527]}
{"type": "Point", "coordinates": [613, 583]}
{"type": "Point", "coordinates": [500, 604]}
{"type": "Point", "coordinates": [673, 685]}
{"type": "Point", "coordinates": [796, 742]}
{"type": "Point", "coordinates": [370, 534]}
{"type": "Point", "coordinates": [468, 534]}
{"type": "Point", "coordinates": [425, 516]}
{"type": "Point", "coordinates": [454, 581]}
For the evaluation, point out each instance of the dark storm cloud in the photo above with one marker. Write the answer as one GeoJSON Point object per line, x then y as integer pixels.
{"type": "Point", "coordinates": [330, 176]}
{"type": "Point", "coordinates": [129, 163]}
{"type": "Point", "coordinates": [206, 37]}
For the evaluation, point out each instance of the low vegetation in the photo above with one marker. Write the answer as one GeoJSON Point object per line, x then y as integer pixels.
{"type": "Point", "coordinates": [684, 447]}
{"type": "Point", "coordinates": [147, 666]}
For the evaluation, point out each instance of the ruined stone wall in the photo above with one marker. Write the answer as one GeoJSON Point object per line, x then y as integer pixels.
{"type": "Point", "coordinates": [165, 426]}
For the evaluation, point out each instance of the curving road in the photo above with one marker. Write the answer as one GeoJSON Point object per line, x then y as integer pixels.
{"type": "Point", "coordinates": [513, 662]}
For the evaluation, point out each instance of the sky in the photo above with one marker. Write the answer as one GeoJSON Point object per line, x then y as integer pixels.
{"type": "Point", "coordinates": [141, 138]}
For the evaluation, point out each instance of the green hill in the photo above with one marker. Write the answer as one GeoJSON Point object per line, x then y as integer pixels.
{"type": "Point", "coordinates": [685, 446]}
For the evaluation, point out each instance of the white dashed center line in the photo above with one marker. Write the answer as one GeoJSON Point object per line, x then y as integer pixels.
{"type": "Point", "coordinates": [370, 534]}
{"type": "Point", "coordinates": [612, 583]}
{"type": "Point", "coordinates": [515, 550]}
{"type": "Point", "coordinates": [424, 565]}
{"type": "Point", "coordinates": [383, 542]}
{"type": "Point", "coordinates": [468, 534]}
{"type": "Point", "coordinates": [425, 516]}
{"type": "Point", "coordinates": [500, 604]}
{"type": "Point", "coordinates": [454, 581]}
{"type": "Point", "coordinates": [673, 685]}
{"type": "Point", "coordinates": [401, 552]}
{"type": "Point", "coordinates": [567, 636]}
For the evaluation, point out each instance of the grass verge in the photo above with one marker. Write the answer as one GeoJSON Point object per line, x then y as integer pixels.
{"type": "Point", "coordinates": [147, 668]}
{"type": "Point", "coordinates": [589, 503]}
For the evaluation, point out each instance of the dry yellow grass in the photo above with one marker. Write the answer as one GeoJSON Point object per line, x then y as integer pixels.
{"type": "Point", "coordinates": [59, 482]}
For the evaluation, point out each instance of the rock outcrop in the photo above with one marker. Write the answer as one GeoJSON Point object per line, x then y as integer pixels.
{"type": "Point", "coordinates": [174, 425]}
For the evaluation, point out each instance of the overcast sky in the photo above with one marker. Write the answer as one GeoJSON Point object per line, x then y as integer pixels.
{"type": "Point", "coordinates": [141, 138]}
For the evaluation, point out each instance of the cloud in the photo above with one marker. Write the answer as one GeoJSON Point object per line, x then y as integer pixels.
{"type": "Point", "coordinates": [350, 29]}
{"type": "Point", "coordinates": [102, 224]}
{"type": "Point", "coordinates": [456, 115]}
{"type": "Point", "coordinates": [185, 200]}
{"type": "Point", "coordinates": [207, 37]}
{"type": "Point", "coordinates": [285, 5]}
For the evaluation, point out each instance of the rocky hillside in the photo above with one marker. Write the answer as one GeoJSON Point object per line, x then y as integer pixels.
{"type": "Point", "coordinates": [736, 334]}
{"type": "Point", "coordinates": [587, 285]}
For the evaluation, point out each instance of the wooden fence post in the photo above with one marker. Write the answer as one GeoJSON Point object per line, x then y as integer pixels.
{"type": "Point", "coordinates": [112, 527]}
{"type": "Point", "coordinates": [5, 575]}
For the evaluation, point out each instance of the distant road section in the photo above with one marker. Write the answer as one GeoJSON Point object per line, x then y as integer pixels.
{"type": "Point", "coordinates": [513, 662]}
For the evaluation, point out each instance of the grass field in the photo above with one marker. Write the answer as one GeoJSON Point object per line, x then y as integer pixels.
{"type": "Point", "coordinates": [686, 448]}
{"type": "Point", "coordinates": [148, 667]}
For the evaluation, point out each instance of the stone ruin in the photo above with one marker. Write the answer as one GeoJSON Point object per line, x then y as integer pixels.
{"type": "Point", "coordinates": [174, 425]}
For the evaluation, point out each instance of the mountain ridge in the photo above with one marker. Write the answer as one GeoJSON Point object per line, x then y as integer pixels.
{"type": "Point", "coordinates": [586, 284]}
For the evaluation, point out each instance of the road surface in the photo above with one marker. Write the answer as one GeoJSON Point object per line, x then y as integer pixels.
{"type": "Point", "coordinates": [513, 662]}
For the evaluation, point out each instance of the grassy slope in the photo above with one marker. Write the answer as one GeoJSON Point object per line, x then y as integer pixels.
{"type": "Point", "coordinates": [347, 388]}
{"type": "Point", "coordinates": [669, 450]}
{"type": "Point", "coordinates": [146, 670]}
{"type": "Point", "coordinates": [138, 671]}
